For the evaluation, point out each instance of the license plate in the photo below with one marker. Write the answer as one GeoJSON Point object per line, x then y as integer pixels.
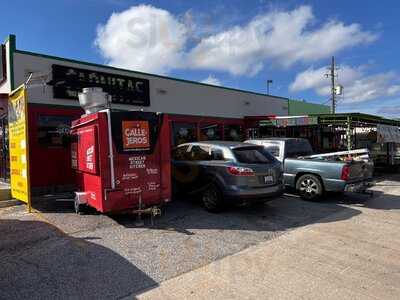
{"type": "Point", "coordinates": [268, 179]}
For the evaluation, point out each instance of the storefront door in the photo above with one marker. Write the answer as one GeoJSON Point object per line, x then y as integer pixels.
{"type": "Point", "coordinates": [4, 153]}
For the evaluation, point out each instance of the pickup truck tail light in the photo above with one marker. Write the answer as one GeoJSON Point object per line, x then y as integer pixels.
{"type": "Point", "coordinates": [240, 171]}
{"type": "Point", "coordinates": [345, 173]}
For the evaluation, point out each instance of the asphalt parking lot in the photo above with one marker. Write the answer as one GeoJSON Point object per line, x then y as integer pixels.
{"type": "Point", "coordinates": [56, 253]}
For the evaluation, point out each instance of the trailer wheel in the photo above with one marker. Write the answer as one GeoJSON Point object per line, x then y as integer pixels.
{"type": "Point", "coordinates": [80, 209]}
{"type": "Point", "coordinates": [309, 187]}
{"type": "Point", "coordinates": [212, 199]}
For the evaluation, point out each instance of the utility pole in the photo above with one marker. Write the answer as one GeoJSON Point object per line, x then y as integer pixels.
{"type": "Point", "coordinates": [269, 81]}
{"type": "Point", "coordinates": [332, 74]}
{"type": "Point", "coordinates": [333, 85]}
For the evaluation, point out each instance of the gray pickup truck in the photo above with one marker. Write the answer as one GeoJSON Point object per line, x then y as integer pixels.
{"type": "Point", "coordinates": [312, 175]}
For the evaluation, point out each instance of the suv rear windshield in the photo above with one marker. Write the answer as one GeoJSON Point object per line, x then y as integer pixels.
{"type": "Point", "coordinates": [253, 155]}
{"type": "Point", "coordinates": [273, 149]}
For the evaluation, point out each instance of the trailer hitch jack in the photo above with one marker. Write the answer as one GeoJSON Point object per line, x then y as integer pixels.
{"type": "Point", "coordinates": [152, 211]}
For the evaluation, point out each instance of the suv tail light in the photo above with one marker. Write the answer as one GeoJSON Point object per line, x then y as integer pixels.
{"type": "Point", "coordinates": [240, 171]}
{"type": "Point", "coordinates": [345, 173]}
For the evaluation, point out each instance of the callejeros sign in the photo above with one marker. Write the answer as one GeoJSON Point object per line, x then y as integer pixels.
{"type": "Point", "coordinates": [68, 81]}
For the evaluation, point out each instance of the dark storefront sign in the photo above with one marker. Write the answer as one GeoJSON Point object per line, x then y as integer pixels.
{"type": "Point", "coordinates": [69, 81]}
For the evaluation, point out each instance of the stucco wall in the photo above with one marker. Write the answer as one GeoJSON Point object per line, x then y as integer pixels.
{"type": "Point", "coordinates": [181, 97]}
{"type": "Point", "coordinates": [5, 87]}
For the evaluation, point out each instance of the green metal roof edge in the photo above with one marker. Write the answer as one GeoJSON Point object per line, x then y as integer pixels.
{"type": "Point", "coordinates": [367, 117]}
{"type": "Point", "coordinates": [143, 73]}
{"type": "Point", "coordinates": [343, 117]}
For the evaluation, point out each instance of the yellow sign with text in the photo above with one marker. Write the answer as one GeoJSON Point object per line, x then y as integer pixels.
{"type": "Point", "coordinates": [18, 139]}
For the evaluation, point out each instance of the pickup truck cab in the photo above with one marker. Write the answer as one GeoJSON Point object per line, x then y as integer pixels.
{"type": "Point", "coordinates": [312, 175]}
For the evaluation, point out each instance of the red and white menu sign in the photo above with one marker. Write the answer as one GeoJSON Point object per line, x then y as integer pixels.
{"type": "Point", "coordinates": [136, 135]}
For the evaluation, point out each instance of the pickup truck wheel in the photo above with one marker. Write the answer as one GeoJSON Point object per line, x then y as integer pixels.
{"type": "Point", "coordinates": [309, 187]}
{"type": "Point", "coordinates": [212, 199]}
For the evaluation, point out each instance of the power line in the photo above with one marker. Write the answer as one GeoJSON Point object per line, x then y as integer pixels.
{"type": "Point", "coordinates": [326, 102]}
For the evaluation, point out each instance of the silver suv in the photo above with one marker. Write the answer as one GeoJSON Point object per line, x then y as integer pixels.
{"type": "Point", "coordinates": [226, 172]}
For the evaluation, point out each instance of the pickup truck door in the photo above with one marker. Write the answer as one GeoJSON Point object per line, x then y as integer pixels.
{"type": "Point", "coordinates": [281, 156]}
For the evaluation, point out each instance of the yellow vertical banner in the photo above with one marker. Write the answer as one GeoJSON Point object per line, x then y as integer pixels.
{"type": "Point", "coordinates": [19, 146]}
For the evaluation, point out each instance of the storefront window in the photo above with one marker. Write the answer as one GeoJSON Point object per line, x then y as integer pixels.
{"type": "Point", "coordinates": [4, 161]}
{"type": "Point", "coordinates": [233, 132]}
{"type": "Point", "coordinates": [53, 131]}
{"type": "Point", "coordinates": [184, 133]}
{"type": "Point", "coordinates": [210, 132]}
{"type": "Point", "coordinates": [265, 131]}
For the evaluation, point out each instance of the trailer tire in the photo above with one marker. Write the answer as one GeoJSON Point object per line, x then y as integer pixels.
{"type": "Point", "coordinates": [212, 199]}
{"type": "Point", "coordinates": [309, 187]}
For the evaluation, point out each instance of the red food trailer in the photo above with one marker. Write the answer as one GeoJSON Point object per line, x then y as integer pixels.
{"type": "Point", "coordinates": [122, 160]}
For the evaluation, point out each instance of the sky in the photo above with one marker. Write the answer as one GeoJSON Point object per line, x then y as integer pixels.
{"type": "Point", "coordinates": [239, 44]}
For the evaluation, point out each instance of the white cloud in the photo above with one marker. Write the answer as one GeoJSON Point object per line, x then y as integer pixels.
{"type": "Point", "coordinates": [371, 87]}
{"type": "Point", "coordinates": [280, 37]}
{"type": "Point", "coordinates": [358, 86]}
{"type": "Point", "coordinates": [150, 39]}
{"type": "Point", "coordinates": [143, 38]}
{"type": "Point", "coordinates": [393, 111]}
{"type": "Point", "coordinates": [394, 90]}
{"type": "Point", "coordinates": [212, 80]}
{"type": "Point", "coordinates": [316, 79]}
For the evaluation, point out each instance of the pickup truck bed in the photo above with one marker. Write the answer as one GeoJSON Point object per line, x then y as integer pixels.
{"type": "Point", "coordinates": [312, 175]}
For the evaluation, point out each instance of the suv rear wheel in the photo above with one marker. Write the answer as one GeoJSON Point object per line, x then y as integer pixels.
{"type": "Point", "coordinates": [309, 187]}
{"type": "Point", "coordinates": [212, 199]}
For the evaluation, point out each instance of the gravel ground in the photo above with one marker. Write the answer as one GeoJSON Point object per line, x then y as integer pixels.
{"type": "Point", "coordinates": [57, 254]}
{"type": "Point", "coordinates": [346, 255]}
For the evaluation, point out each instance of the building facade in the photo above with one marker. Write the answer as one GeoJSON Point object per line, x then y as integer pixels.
{"type": "Point", "coordinates": [197, 110]}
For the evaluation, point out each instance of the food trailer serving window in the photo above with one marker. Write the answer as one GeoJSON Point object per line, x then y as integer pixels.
{"type": "Point", "coordinates": [135, 131]}
{"type": "Point", "coordinates": [53, 131]}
